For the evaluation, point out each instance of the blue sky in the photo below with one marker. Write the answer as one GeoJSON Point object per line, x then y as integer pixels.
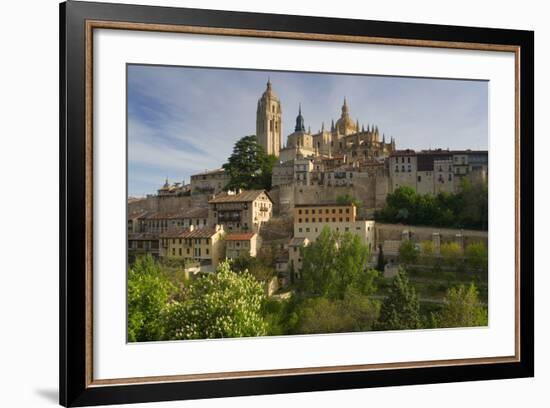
{"type": "Point", "coordinates": [185, 120]}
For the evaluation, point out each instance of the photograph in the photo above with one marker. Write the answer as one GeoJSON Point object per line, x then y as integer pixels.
{"type": "Point", "coordinates": [285, 203]}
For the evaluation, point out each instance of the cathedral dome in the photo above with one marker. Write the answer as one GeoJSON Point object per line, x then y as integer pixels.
{"type": "Point", "coordinates": [345, 124]}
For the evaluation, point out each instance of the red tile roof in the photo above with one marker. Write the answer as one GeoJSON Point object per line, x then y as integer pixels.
{"type": "Point", "coordinates": [187, 233]}
{"type": "Point", "coordinates": [244, 236]}
{"type": "Point", "coordinates": [243, 197]}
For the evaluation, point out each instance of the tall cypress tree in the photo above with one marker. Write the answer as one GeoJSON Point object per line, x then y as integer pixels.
{"type": "Point", "coordinates": [401, 309]}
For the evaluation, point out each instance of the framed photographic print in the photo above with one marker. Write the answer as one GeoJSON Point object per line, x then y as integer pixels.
{"type": "Point", "coordinates": [255, 203]}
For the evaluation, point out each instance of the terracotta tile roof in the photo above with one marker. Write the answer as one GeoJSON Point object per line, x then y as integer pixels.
{"type": "Point", "coordinates": [298, 241]}
{"type": "Point", "coordinates": [244, 236]}
{"type": "Point", "coordinates": [187, 233]}
{"type": "Point", "coordinates": [142, 236]}
{"type": "Point", "coordinates": [243, 197]}
{"type": "Point", "coordinates": [137, 214]}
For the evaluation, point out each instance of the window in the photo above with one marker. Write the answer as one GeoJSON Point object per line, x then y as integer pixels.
{"type": "Point", "coordinates": [334, 220]}
{"type": "Point", "coordinates": [207, 251]}
{"type": "Point", "coordinates": [299, 211]}
{"type": "Point", "coordinates": [347, 219]}
{"type": "Point", "coordinates": [408, 159]}
{"type": "Point", "coordinates": [307, 211]}
{"type": "Point", "coordinates": [180, 251]}
{"type": "Point", "coordinates": [307, 229]}
{"type": "Point", "coordinates": [313, 211]}
{"type": "Point", "coordinates": [340, 219]}
{"type": "Point", "coordinates": [450, 177]}
{"type": "Point", "coordinates": [174, 251]}
{"type": "Point", "coordinates": [313, 220]}
{"type": "Point", "coordinates": [419, 179]}
{"type": "Point", "coordinates": [409, 168]}
{"type": "Point", "coordinates": [347, 228]}
{"type": "Point", "coordinates": [340, 211]}
{"type": "Point", "coordinates": [327, 220]}
{"type": "Point", "coordinates": [334, 211]}
{"type": "Point", "coordinates": [347, 210]}
{"type": "Point", "coordinates": [403, 168]}
{"type": "Point", "coordinates": [307, 219]}
{"type": "Point", "coordinates": [299, 230]}
{"type": "Point", "coordinates": [396, 168]}
{"type": "Point", "coordinates": [187, 251]}
{"type": "Point", "coordinates": [326, 211]}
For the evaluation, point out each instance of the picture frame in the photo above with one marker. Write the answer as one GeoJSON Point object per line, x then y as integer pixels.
{"type": "Point", "coordinates": [79, 20]}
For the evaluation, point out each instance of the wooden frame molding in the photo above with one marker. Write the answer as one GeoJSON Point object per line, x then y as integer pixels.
{"type": "Point", "coordinates": [79, 20]}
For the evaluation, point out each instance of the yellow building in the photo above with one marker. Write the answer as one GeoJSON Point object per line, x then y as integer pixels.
{"type": "Point", "coordinates": [243, 243]}
{"type": "Point", "coordinates": [295, 256]}
{"type": "Point", "coordinates": [243, 211]}
{"type": "Point", "coordinates": [310, 219]}
{"type": "Point", "coordinates": [160, 222]}
{"type": "Point", "coordinates": [204, 245]}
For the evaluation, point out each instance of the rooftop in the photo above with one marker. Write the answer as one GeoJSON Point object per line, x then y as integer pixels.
{"type": "Point", "coordinates": [295, 241]}
{"type": "Point", "coordinates": [142, 236]}
{"type": "Point", "coordinates": [243, 197]}
{"type": "Point", "coordinates": [244, 236]}
{"type": "Point", "coordinates": [323, 205]}
{"type": "Point", "coordinates": [190, 233]}
{"type": "Point", "coordinates": [210, 172]}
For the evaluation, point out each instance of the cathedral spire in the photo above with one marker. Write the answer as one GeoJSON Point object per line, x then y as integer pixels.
{"type": "Point", "coordinates": [300, 126]}
{"type": "Point", "coordinates": [345, 109]}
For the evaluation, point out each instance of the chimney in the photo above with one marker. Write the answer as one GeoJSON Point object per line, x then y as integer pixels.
{"type": "Point", "coordinates": [191, 227]}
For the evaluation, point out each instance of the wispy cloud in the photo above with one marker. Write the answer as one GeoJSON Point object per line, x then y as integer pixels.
{"type": "Point", "coordinates": [184, 120]}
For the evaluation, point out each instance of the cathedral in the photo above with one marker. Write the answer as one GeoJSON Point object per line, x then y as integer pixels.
{"type": "Point", "coordinates": [345, 138]}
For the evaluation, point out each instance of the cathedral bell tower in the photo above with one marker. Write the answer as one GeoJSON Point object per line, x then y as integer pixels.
{"type": "Point", "coordinates": [269, 121]}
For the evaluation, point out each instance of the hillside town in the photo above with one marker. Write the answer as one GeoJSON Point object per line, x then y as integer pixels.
{"type": "Point", "coordinates": [337, 177]}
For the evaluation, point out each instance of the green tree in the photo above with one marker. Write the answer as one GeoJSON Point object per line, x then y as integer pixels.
{"type": "Point", "coordinates": [400, 310]}
{"type": "Point", "coordinates": [462, 308]}
{"type": "Point", "coordinates": [347, 199]}
{"type": "Point", "coordinates": [319, 264]}
{"type": "Point", "coordinates": [467, 208]}
{"type": "Point", "coordinates": [218, 305]}
{"type": "Point", "coordinates": [451, 253]}
{"type": "Point", "coordinates": [249, 167]}
{"type": "Point", "coordinates": [355, 312]}
{"type": "Point", "coordinates": [335, 263]}
{"type": "Point", "coordinates": [408, 253]}
{"type": "Point", "coordinates": [381, 262]}
{"type": "Point", "coordinates": [256, 266]}
{"type": "Point", "coordinates": [476, 256]}
{"type": "Point", "coordinates": [149, 291]}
